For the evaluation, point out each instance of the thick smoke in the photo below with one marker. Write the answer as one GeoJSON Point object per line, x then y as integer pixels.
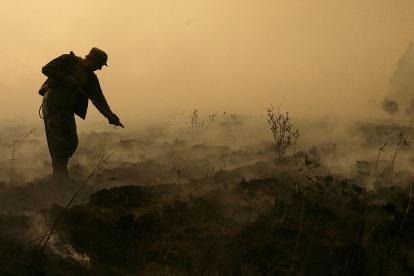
{"type": "Point", "coordinates": [409, 110]}
{"type": "Point", "coordinates": [402, 85]}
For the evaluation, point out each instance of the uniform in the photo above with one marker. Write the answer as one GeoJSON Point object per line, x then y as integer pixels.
{"type": "Point", "coordinates": [65, 93]}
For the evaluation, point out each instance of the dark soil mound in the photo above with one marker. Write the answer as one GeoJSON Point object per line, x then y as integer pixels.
{"type": "Point", "coordinates": [258, 227]}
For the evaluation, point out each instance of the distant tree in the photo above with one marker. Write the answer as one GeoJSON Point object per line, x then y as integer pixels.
{"type": "Point", "coordinates": [194, 118]}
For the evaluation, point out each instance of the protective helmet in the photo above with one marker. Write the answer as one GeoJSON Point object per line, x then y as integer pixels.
{"type": "Point", "coordinates": [98, 55]}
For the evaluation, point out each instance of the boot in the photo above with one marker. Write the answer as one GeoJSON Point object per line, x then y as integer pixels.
{"type": "Point", "coordinates": [60, 168]}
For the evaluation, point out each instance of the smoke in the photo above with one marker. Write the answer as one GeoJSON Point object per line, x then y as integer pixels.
{"type": "Point", "coordinates": [409, 110]}
{"type": "Point", "coordinates": [402, 85]}
{"type": "Point", "coordinates": [402, 81]}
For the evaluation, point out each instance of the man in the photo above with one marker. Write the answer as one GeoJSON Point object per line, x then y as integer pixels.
{"type": "Point", "coordinates": [71, 83]}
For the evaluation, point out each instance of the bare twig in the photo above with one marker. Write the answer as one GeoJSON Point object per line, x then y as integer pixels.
{"type": "Point", "coordinates": [12, 160]}
{"type": "Point", "coordinates": [299, 235]}
{"type": "Point", "coordinates": [295, 137]}
{"type": "Point", "coordinates": [380, 151]}
{"type": "Point", "coordinates": [282, 130]}
{"type": "Point", "coordinates": [13, 155]}
{"type": "Point", "coordinates": [403, 220]}
{"type": "Point", "coordinates": [401, 144]}
{"type": "Point", "coordinates": [311, 241]}
{"type": "Point", "coordinates": [178, 176]}
{"type": "Point", "coordinates": [52, 230]}
{"type": "Point", "coordinates": [368, 235]}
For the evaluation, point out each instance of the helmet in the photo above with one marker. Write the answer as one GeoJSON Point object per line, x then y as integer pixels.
{"type": "Point", "coordinates": [98, 55]}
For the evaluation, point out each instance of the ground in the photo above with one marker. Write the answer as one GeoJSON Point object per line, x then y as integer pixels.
{"type": "Point", "coordinates": [209, 199]}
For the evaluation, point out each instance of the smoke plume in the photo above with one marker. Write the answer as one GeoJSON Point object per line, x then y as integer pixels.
{"type": "Point", "coordinates": [402, 85]}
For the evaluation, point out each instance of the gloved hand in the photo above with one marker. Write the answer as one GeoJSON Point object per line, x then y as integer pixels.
{"type": "Point", "coordinates": [114, 120]}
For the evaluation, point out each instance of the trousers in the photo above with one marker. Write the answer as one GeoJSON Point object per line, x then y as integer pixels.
{"type": "Point", "coordinates": [61, 135]}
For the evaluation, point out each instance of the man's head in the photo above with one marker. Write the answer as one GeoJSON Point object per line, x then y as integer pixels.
{"type": "Point", "coordinates": [96, 59]}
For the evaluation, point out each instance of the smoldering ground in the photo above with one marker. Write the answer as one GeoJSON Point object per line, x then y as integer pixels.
{"type": "Point", "coordinates": [227, 141]}
{"type": "Point", "coordinates": [215, 176]}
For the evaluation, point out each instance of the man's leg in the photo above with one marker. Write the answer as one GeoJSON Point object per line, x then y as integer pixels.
{"type": "Point", "coordinates": [60, 166]}
{"type": "Point", "coordinates": [62, 139]}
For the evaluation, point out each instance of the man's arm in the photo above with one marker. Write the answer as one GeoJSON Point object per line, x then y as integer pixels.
{"type": "Point", "coordinates": [97, 97]}
{"type": "Point", "coordinates": [99, 101]}
{"type": "Point", "coordinates": [56, 69]}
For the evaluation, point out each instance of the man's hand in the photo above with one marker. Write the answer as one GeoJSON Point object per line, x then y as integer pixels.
{"type": "Point", "coordinates": [114, 120]}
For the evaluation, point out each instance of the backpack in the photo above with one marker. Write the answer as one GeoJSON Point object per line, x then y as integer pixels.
{"type": "Point", "coordinates": [45, 86]}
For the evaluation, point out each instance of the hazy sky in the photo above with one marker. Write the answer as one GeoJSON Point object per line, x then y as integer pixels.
{"type": "Point", "coordinates": [313, 57]}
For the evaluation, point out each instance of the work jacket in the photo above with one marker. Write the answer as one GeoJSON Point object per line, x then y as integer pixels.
{"type": "Point", "coordinates": [60, 93]}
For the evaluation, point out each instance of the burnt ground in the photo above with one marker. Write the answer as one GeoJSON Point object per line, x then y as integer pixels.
{"type": "Point", "coordinates": [192, 205]}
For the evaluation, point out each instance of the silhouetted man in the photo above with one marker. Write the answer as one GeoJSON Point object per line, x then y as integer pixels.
{"type": "Point", "coordinates": [71, 83]}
